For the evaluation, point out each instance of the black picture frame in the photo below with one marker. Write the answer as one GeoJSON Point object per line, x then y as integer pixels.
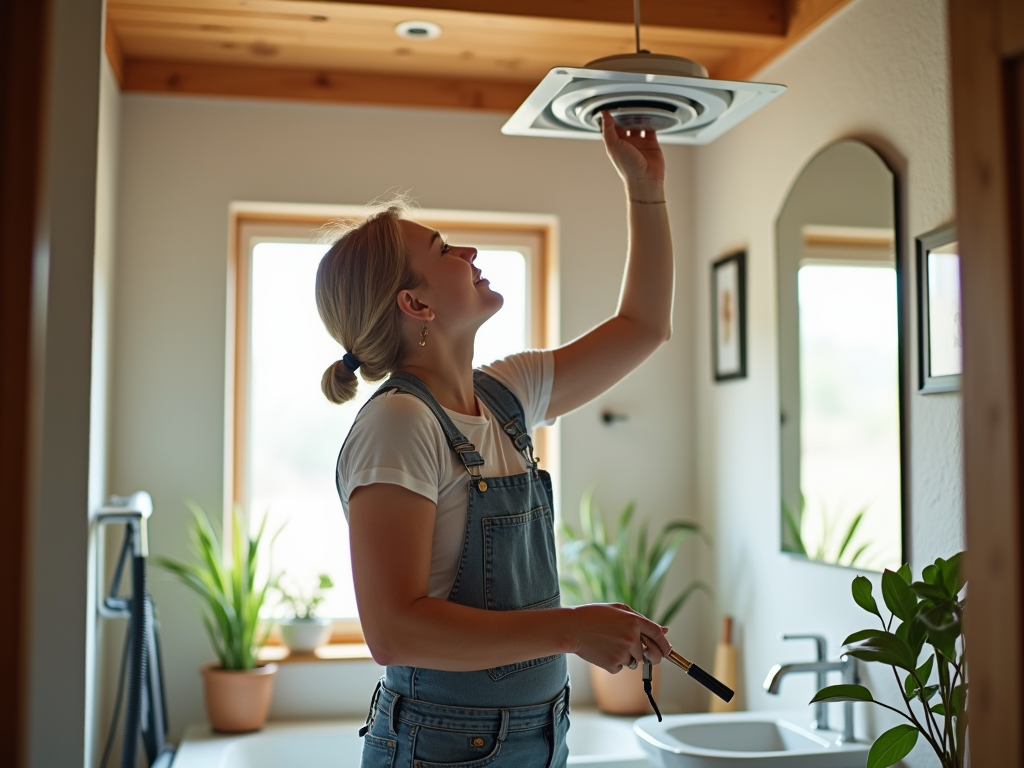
{"type": "Point", "coordinates": [728, 349]}
{"type": "Point", "coordinates": [929, 382]}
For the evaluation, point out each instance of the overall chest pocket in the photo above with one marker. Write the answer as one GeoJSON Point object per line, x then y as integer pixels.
{"type": "Point", "coordinates": [520, 571]}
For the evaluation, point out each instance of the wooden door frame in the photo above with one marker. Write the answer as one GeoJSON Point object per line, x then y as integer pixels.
{"type": "Point", "coordinates": [23, 53]}
{"type": "Point", "coordinates": [987, 59]}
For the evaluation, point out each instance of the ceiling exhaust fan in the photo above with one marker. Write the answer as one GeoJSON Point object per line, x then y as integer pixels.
{"type": "Point", "coordinates": [671, 95]}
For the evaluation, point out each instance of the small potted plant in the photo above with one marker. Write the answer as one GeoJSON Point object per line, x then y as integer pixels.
{"type": "Point", "coordinates": [621, 568]}
{"type": "Point", "coordinates": [237, 687]}
{"type": "Point", "coordinates": [934, 697]}
{"type": "Point", "coordinates": [303, 631]}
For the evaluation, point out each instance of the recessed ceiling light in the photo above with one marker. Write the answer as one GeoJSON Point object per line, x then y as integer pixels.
{"type": "Point", "coordinates": [418, 30]}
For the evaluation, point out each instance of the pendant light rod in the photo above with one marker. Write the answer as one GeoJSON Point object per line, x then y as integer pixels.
{"type": "Point", "coordinates": [636, 22]}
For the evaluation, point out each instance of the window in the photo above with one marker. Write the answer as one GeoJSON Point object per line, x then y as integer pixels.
{"type": "Point", "coordinates": [286, 434]}
{"type": "Point", "coordinates": [849, 404]}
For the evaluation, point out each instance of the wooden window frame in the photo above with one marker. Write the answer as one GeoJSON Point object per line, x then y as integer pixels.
{"type": "Point", "coordinates": [538, 233]}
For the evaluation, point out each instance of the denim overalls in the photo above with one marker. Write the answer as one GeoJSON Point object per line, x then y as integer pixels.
{"type": "Point", "coordinates": [513, 715]}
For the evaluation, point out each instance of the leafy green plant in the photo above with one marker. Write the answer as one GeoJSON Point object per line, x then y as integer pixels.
{"type": "Point", "coordinates": [929, 612]}
{"type": "Point", "coordinates": [625, 568]}
{"type": "Point", "coordinates": [227, 583]}
{"type": "Point", "coordinates": [302, 604]}
{"type": "Point", "coordinates": [843, 545]}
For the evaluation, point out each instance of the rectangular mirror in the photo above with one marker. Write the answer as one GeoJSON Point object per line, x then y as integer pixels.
{"type": "Point", "coordinates": [940, 337]}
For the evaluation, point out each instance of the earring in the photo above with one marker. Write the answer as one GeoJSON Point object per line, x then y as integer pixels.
{"type": "Point", "coordinates": [423, 335]}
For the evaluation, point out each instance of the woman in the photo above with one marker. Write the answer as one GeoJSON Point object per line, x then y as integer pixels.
{"type": "Point", "coordinates": [450, 518]}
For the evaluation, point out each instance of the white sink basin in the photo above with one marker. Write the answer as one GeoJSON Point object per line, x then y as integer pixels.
{"type": "Point", "coordinates": [744, 739]}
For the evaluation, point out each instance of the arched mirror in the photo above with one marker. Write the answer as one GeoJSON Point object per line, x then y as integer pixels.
{"type": "Point", "coordinates": [840, 377]}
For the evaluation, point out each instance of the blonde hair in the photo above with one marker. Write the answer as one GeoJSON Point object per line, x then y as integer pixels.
{"type": "Point", "coordinates": [356, 285]}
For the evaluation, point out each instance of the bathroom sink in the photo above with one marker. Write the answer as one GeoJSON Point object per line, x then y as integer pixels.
{"type": "Point", "coordinates": [747, 739]}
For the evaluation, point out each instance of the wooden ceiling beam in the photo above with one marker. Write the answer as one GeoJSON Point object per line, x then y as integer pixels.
{"type": "Point", "coordinates": [804, 16]}
{"type": "Point", "coordinates": [761, 17]}
{"type": "Point", "coordinates": [175, 77]}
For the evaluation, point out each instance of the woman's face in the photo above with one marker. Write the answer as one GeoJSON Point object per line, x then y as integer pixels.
{"type": "Point", "coordinates": [451, 285]}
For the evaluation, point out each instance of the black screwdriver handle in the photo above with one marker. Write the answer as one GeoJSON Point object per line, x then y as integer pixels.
{"type": "Point", "coordinates": [717, 687]}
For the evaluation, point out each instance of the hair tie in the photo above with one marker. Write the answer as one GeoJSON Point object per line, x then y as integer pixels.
{"type": "Point", "coordinates": [351, 361]}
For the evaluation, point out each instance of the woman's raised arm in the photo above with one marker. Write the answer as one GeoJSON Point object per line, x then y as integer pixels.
{"type": "Point", "coordinates": [592, 363]}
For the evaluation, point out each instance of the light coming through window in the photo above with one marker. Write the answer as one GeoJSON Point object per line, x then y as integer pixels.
{"type": "Point", "coordinates": [295, 433]}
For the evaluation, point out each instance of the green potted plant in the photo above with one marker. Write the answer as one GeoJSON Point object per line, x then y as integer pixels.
{"type": "Point", "coordinates": [934, 692]}
{"type": "Point", "coordinates": [303, 631]}
{"type": "Point", "coordinates": [624, 567]}
{"type": "Point", "coordinates": [237, 687]}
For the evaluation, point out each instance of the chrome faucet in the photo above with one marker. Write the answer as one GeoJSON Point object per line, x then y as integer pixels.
{"type": "Point", "coordinates": [846, 664]}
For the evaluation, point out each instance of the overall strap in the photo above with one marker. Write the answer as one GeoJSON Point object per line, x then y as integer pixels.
{"type": "Point", "coordinates": [406, 382]}
{"type": "Point", "coordinates": [507, 409]}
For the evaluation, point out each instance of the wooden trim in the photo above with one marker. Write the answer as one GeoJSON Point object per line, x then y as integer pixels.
{"type": "Point", "coordinates": [189, 78]}
{"type": "Point", "coordinates": [764, 17]}
{"type": "Point", "coordinates": [847, 237]}
{"type": "Point", "coordinates": [334, 651]}
{"type": "Point", "coordinates": [988, 137]}
{"type": "Point", "coordinates": [1011, 30]}
{"type": "Point", "coordinates": [239, 271]}
{"type": "Point", "coordinates": [112, 47]}
{"type": "Point", "coordinates": [803, 17]}
{"type": "Point", "coordinates": [24, 51]}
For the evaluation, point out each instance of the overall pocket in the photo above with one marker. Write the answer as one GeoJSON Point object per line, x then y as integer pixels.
{"type": "Point", "coordinates": [520, 572]}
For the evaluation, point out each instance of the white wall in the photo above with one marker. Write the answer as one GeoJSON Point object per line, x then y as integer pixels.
{"type": "Point", "coordinates": [60, 628]}
{"type": "Point", "coordinates": [103, 664]}
{"type": "Point", "coordinates": [183, 161]}
{"type": "Point", "coordinates": [877, 71]}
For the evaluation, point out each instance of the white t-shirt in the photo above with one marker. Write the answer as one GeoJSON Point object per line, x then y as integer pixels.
{"type": "Point", "coordinates": [396, 439]}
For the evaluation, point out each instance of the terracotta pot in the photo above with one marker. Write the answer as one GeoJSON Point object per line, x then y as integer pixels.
{"type": "Point", "coordinates": [623, 692]}
{"type": "Point", "coordinates": [238, 700]}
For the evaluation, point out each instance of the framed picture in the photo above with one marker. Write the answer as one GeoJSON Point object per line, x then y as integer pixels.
{"type": "Point", "coordinates": [729, 317]}
{"type": "Point", "coordinates": [940, 338]}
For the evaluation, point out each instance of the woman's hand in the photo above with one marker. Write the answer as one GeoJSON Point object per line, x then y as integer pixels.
{"type": "Point", "coordinates": [638, 158]}
{"type": "Point", "coordinates": [609, 635]}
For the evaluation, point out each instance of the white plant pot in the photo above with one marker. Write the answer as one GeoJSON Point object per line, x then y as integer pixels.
{"type": "Point", "coordinates": [305, 635]}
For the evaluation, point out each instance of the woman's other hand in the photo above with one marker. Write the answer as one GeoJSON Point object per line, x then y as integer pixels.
{"type": "Point", "coordinates": [636, 155]}
{"type": "Point", "coordinates": [608, 636]}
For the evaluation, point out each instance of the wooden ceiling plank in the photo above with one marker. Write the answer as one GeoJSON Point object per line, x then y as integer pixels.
{"type": "Point", "coordinates": [340, 19]}
{"type": "Point", "coordinates": [766, 17]}
{"type": "Point", "coordinates": [569, 51]}
{"type": "Point", "coordinates": [511, 70]}
{"type": "Point", "coordinates": [146, 76]}
{"type": "Point", "coordinates": [804, 17]}
{"type": "Point", "coordinates": [488, 64]}
{"type": "Point", "coordinates": [155, 30]}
